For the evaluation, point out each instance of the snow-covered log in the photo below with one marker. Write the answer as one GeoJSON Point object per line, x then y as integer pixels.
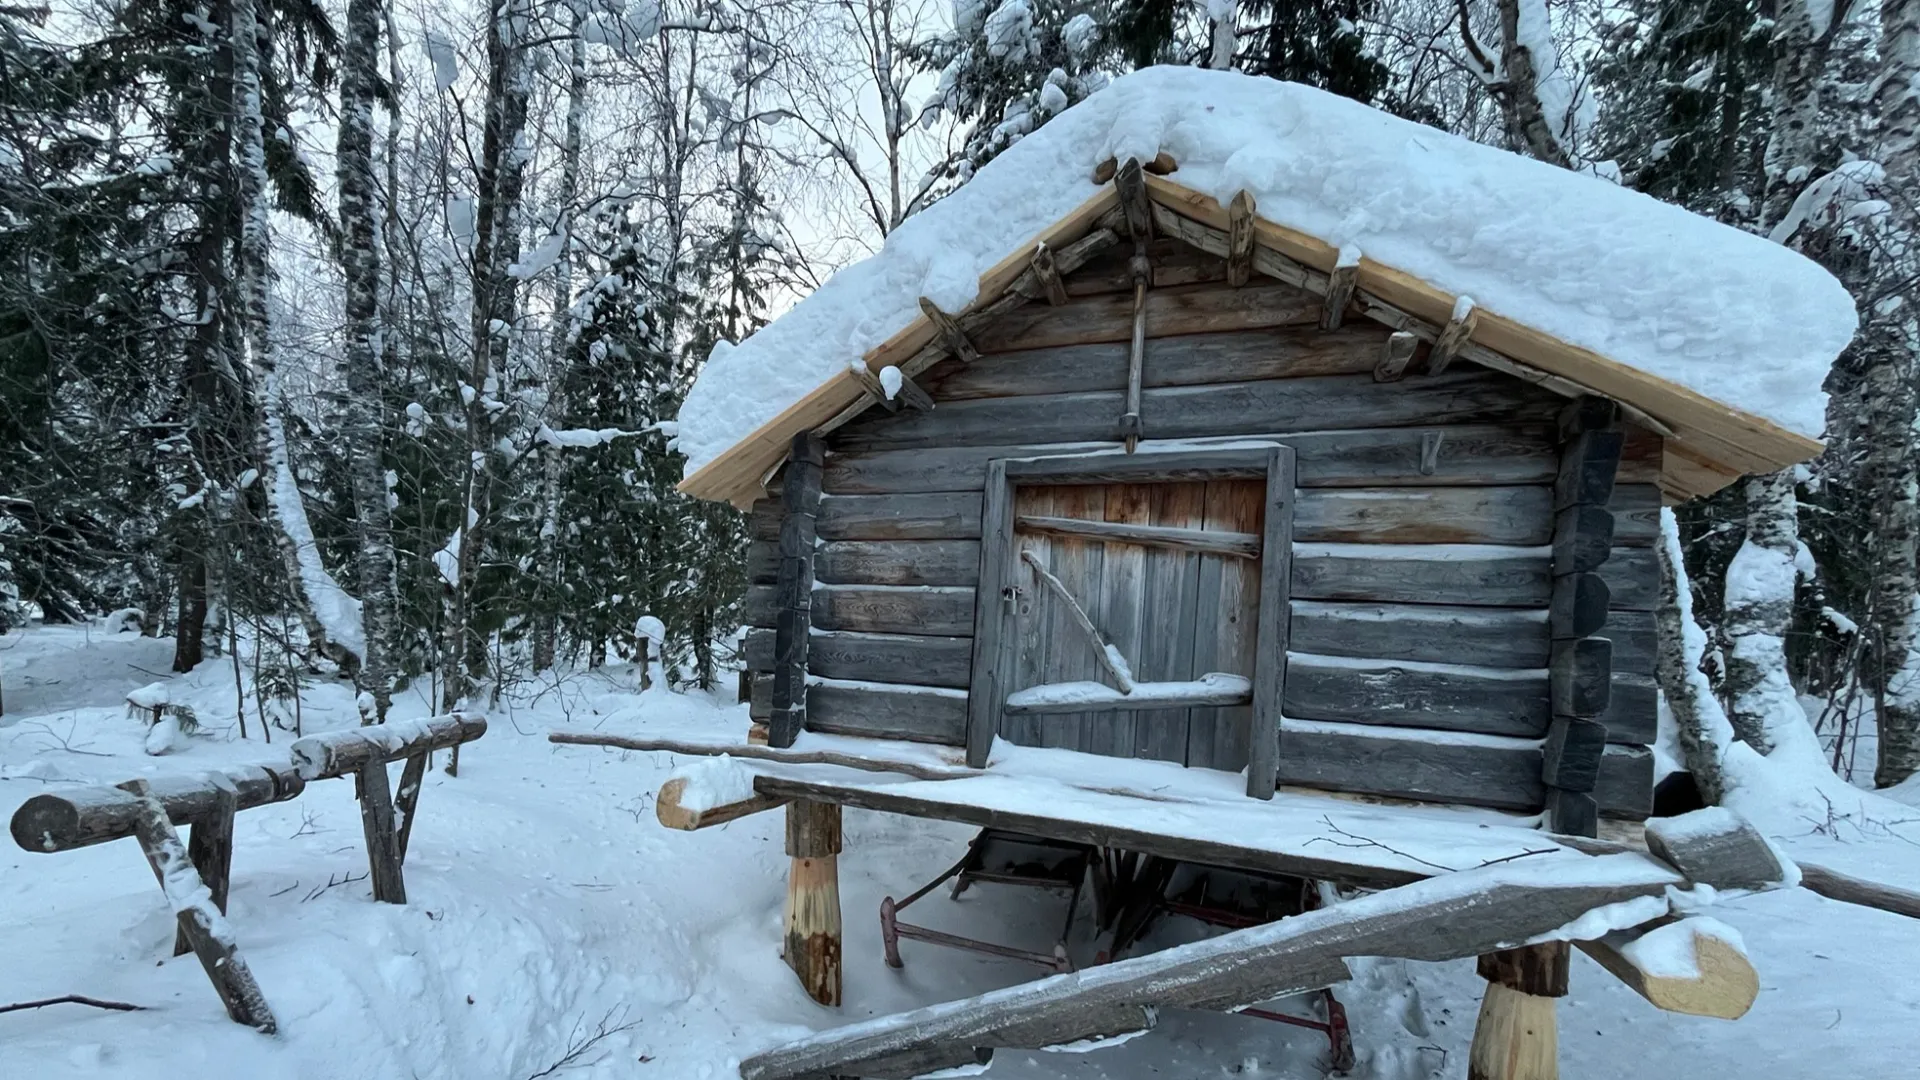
{"type": "Point", "coordinates": [1695, 966]}
{"type": "Point", "coordinates": [711, 792]}
{"type": "Point", "coordinates": [201, 922]}
{"type": "Point", "coordinates": [337, 753]}
{"type": "Point", "coordinates": [1452, 916]}
{"type": "Point", "coordinates": [80, 817]}
{"type": "Point", "coordinates": [1717, 847]}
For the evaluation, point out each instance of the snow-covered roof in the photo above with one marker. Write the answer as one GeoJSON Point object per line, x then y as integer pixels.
{"type": "Point", "coordinates": [1719, 334]}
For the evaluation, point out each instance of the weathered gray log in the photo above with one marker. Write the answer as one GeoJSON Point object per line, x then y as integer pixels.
{"type": "Point", "coordinates": [80, 817]}
{"type": "Point", "coordinates": [1395, 357]}
{"type": "Point", "coordinates": [1588, 465]}
{"type": "Point", "coordinates": [1716, 847]}
{"type": "Point", "coordinates": [1582, 539]}
{"type": "Point", "coordinates": [340, 753]}
{"type": "Point", "coordinates": [1632, 711]}
{"type": "Point", "coordinates": [842, 654]}
{"type": "Point", "coordinates": [1365, 457]}
{"type": "Point", "coordinates": [1582, 676]}
{"type": "Point", "coordinates": [1574, 813]}
{"type": "Point", "coordinates": [1108, 317]}
{"type": "Point", "coordinates": [1438, 574]}
{"type": "Point", "coordinates": [1311, 403]}
{"type": "Point", "coordinates": [206, 930]}
{"type": "Point", "coordinates": [210, 849]}
{"type": "Point", "coordinates": [1408, 515]}
{"type": "Point", "coordinates": [1184, 360]}
{"type": "Point", "coordinates": [913, 713]}
{"type": "Point", "coordinates": [1632, 576]}
{"type": "Point", "coordinates": [1579, 605]}
{"type": "Point", "coordinates": [1240, 545]}
{"type": "Point", "coordinates": [1846, 888]}
{"type": "Point", "coordinates": [876, 562]}
{"type": "Point", "coordinates": [382, 834]}
{"type": "Point", "coordinates": [941, 516]}
{"type": "Point", "coordinates": [1436, 633]}
{"type": "Point", "coordinates": [878, 609]}
{"type": "Point", "coordinates": [1488, 701]}
{"type": "Point", "coordinates": [1636, 514]}
{"type": "Point", "coordinates": [760, 753]}
{"type": "Point", "coordinates": [1632, 634]}
{"type": "Point", "coordinates": [1572, 752]}
{"type": "Point", "coordinates": [1457, 915]}
{"type": "Point", "coordinates": [1142, 698]}
{"type": "Point", "coordinates": [793, 621]}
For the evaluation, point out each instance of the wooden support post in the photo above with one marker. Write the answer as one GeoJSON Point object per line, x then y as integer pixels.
{"type": "Point", "coordinates": [408, 798]}
{"type": "Point", "coordinates": [1398, 354]}
{"type": "Point", "coordinates": [1580, 673]}
{"type": "Point", "coordinates": [1454, 336]}
{"type": "Point", "coordinates": [793, 625]}
{"type": "Point", "coordinates": [1517, 1036]}
{"type": "Point", "coordinates": [383, 840]}
{"type": "Point", "coordinates": [813, 899]}
{"type": "Point", "coordinates": [205, 927]}
{"type": "Point", "coordinates": [1240, 239]}
{"type": "Point", "coordinates": [210, 849]}
{"type": "Point", "coordinates": [949, 332]}
{"type": "Point", "coordinates": [1047, 273]}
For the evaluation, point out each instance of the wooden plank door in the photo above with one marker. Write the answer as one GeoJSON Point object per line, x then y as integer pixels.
{"type": "Point", "coordinates": [1173, 615]}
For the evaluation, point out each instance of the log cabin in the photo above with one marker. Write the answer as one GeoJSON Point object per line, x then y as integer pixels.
{"type": "Point", "coordinates": [1222, 464]}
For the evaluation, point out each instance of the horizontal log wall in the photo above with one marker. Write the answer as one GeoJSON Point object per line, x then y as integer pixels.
{"type": "Point", "coordinates": [1424, 529]}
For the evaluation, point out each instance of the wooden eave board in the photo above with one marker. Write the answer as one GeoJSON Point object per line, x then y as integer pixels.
{"type": "Point", "coordinates": [1162, 808]}
{"type": "Point", "coordinates": [1713, 443]}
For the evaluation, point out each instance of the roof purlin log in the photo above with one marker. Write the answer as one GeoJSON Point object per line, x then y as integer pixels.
{"type": "Point", "coordinates": [1741, 442]}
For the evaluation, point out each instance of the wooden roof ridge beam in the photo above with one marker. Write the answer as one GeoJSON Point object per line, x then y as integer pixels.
{"type": "Point", "coordinates": [1161, 165]}
{"type": "Point", "coordinates": [1131, 183]}
{"type": "Point", "coordinates": [909, 392]}
{"type": "Point", "coordinates": [1267, 261]}
{"type": "Point", "coordinates": [1240, 239]}
{"type": "Point", "coordinates": [949, 333]}
{"type": "Point", "coordinates": [1454, 336]}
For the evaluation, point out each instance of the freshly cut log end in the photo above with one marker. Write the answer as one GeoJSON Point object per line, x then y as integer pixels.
{"type": "Point", "coordinates": [757, 735]}
{"type": "Point", "coordinates": [668, 810]}
{"type": "Point", "coordinates": [813, 938]}
{"type": "Point", "coordinates": [1722, 984]}
{"type": "Point", "coordinates": [1517, 1037]}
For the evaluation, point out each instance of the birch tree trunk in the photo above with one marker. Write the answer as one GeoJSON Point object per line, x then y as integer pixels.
{"type": "Point", "coordinates": [1223, 17]}
{"type": "Point", "coordinates": [1799, 65]}
{"type": "Point", "coordinates": [292, 532]}
{"type": "Point", "coordinates": [1698, 721]}
{"type": "Point", "coordinates": [1892, 337]}
{"type": "Point", "coordinates": [1525, 32]}
{"type": "Point", "coordinates": [1759, 606]}
{"type": "Point", "coordinates": [546, 621]}
{"type": "Point", "coordinates": [360, 427]}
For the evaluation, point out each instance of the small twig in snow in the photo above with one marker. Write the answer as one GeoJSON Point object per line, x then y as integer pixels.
{"type": "Point", "coordinates": [580, 1044]}
{"type": "Point", "coordinates": [1349, 840]}
{"type": "Point", "coordinates": [331, 882]}
{"type": "Point", "coordinates": [72, 999]}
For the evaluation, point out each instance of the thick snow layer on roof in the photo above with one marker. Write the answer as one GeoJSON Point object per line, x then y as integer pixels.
{"type": "Point", "coordinates": [1720, 311]}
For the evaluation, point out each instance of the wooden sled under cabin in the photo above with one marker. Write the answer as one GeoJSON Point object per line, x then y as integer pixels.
{"type": "Point", "coordinates": [1358, 576]}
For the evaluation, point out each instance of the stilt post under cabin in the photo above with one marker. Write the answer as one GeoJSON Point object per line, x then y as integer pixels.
{"type": "Point", "coordinates": [1518, 1036]}
{"type": "Point", "coordinates": [813, 938]}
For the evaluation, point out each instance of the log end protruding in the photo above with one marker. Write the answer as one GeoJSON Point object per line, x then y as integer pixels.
{"type": "Point", "coordinates": [1722, 982]}
{"type": "Point", "coordinates": [670, 808]}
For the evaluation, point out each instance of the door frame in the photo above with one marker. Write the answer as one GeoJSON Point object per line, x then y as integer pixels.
{"type": "Point", "coordinates": [994, 605]}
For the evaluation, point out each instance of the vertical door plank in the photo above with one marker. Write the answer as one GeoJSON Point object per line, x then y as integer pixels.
{"type": "Point", "coordinates": [1034, 614]}
{"type": "Point", "coordinates": [1227, 620]}
{"type": "Point", "coordinates": [993, 651]}
{"type": "Point", "coordinates": [1125, 605]}
{"type": "Point", "coordinates": [1166, 648]}
{"type": "Point", "coordinates": [1078, 565]}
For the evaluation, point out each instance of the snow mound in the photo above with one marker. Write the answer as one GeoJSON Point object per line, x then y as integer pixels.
{"type": "Point", "coordinates": [1645, 283]}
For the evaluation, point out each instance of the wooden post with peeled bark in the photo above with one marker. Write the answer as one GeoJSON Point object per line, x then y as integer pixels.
{"type": "Point", "coordinates": [813, 937]}
{"type": "Point", "coordinates": [210, 849]}
{"type": "Point", "coordinates": [1518, 1036]}
{"type": "Point", "coordinates": [201, 923]}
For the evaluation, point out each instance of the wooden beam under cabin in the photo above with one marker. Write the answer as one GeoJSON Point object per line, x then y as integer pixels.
{"type": "Point", "coordinates": [1239, 545]}
{"type": "Point", "coordinates": [1723, 983]}
{"type": "Point", "coordinates": [667, 808]}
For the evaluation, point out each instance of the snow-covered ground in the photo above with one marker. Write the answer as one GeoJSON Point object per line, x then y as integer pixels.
{"type": "Point", "coordinates": [548, 906]}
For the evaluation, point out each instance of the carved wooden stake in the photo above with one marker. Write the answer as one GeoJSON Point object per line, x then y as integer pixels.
{"type": "Point", "coordinates": [1518, 1036]}
{"type": "Point", "coordinates": [1047, 273]}
{"type": "Point", "coordinates": [813, 939]}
